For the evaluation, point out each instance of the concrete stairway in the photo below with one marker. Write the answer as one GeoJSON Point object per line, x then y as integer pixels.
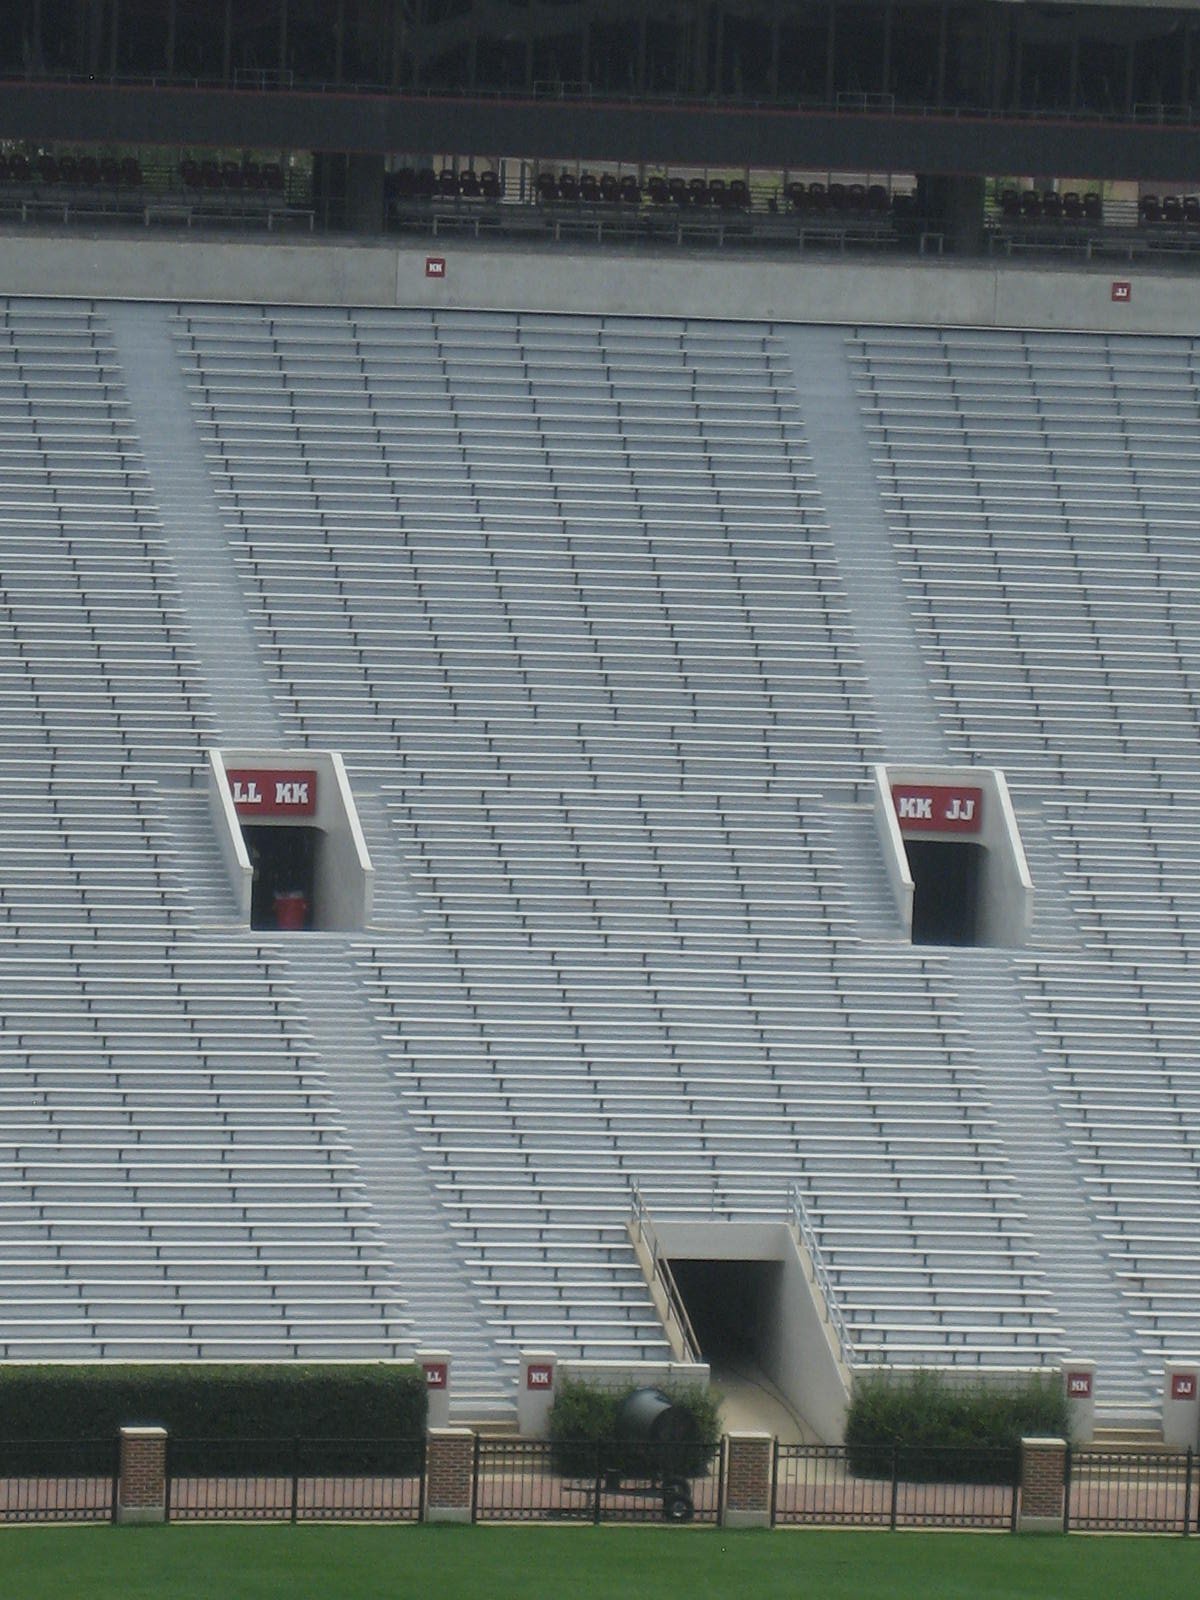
{"type": "Point", "coordinates": [416, 1238]}
{"type": "Point", "coordinates": [396, 906]}
{"type": "Point", "coordinates": [1054, 923]}
{"type": "Point", "coordinates": [864, 881]}
{"type": "Point", "coordinates": [189, 829]}
{"type": "Point", "coordinates": [1041, 1159]}
{"type": "Point", "coordinates": [210, 592]}
{"type": "Point", "coordinates": [909, 729]}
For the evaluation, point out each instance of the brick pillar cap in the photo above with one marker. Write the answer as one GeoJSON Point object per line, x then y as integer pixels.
{"type": "Point", "coordinates": [433, 1355]}
{"type": "Point", "coordinates": [143, 1433]}
{"type": "Point", "coordinates": [450, 1433]}
{"type": "Point", "coordinates": [750, 1434]}
{"type": "Point", "coordinates": [1060, 1444]}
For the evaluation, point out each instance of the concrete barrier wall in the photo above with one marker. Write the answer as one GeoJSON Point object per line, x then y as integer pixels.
{"type": "Point", "coordinates": [787, 287]}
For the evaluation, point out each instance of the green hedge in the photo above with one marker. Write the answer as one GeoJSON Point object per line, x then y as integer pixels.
{"type": "Point", "coordinates": [583, 1430]}
{"type": "Point", "coordinates": [266, 1405]}
{"type": "Point", "coordinates": [931, 1430]}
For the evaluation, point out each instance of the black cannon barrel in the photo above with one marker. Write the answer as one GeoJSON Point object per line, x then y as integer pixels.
{"type": "Point", "coordinates": [648, 1416]}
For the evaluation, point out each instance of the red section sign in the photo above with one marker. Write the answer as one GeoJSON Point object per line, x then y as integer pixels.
{"type": "Point", "coordinates": [1079, 1386]}
{"type": "Point", "coordinates": [435, 1374]}
{"type": "Point", "coordinates": [272, 792]}
{"type": "Point", "coordinates": [1122, 291]}
{"type": "Point", "coordinates": [539, 1375]}
{"type": "Point", "coordinates": [1183, 1386]}
{"type": "Point", "coordinates": [435, 266]}
{"type": "Point", "coordinates": [936, 808]}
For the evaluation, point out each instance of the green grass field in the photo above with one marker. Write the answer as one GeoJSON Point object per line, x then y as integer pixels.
{"type": "Point", "coordinates": [376, 1563]}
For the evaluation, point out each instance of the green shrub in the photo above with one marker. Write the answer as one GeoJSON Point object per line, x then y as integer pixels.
{"type": "Point", "coordinates": [584, 1432]}
{"type": "Point", "coordinates": [205, 1407]}
{"type": "Point", "coordinates": [932, 1430]}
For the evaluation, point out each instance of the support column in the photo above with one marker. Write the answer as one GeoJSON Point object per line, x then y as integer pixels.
{"type": "Point", "coordinates": [142, 1483]}
{"type": "Point", "coordinates": [1043, 1485]}
{"type": "Point", "coordinates": [1181, 1405]}
{"type": "Point", "coordinates": [435, 1364]}
{"type": "Point", "coordinates": [748, 1480]}
{"type": "Point", "coordinates": [535, 1396]}
{"type": "Point", "coordinates": [364, 193]}
{"type": "Point", "coordinates": [955, 205]}
{"type": "Point", "coordinates": [1079, 1380]}
{"type": "Point", "coordinates": [449, 1474]}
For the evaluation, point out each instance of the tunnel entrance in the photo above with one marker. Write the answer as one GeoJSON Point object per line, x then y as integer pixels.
{"type": "Point", "coordinates": [947, 878]}
{"type": "Point", "coordinates": [284, 860]}
{"type": "Point", "coordinates": [728, 1303]}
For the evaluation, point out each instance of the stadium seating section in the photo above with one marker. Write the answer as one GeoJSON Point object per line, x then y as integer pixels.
{"type": "Point", "coordinates": [572, 596]}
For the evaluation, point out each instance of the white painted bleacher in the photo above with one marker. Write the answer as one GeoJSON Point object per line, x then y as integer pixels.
{"type": "Point", "coordinates": [563, 588]}
{"type": "Point", "coordinates": [1041, 489]}
{"type": "Point", "coordinates": [173, 1180]}
{"type": "Point", "coordinates": [565, 591]}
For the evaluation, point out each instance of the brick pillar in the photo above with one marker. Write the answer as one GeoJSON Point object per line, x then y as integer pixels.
{"type": "Point", "coordinates": [449, 1474]}
{"type": "Point", "coordinates": [1043, 1485]}
{"type": "Point", "coordinates": [748, 1480]}
{"type": "Point", "coordinates": [142, 1488]}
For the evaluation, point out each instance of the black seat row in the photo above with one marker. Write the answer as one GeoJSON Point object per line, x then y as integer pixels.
{"type": "Point", "coordinates": [1049, 205]}
{"type": "Point", "coordinates": [423, 183]}
{"type": "Point", "coordinates": [855, 197]}
{"type": "Point", "coordinates": [232, 176]}
{"type": "Point", "coordinates": [1171, 208]}
{"type": "Point", "coordinates": [86, 172]}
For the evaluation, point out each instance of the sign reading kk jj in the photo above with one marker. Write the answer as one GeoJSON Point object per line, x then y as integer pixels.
{"type": "Point", "coordinates": [937, 808]}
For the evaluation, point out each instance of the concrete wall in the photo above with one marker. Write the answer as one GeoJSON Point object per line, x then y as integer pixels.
{"type": "Point", "coordinates": [229, 835]}
{"type": "Point", "coordinates": [786, 287]}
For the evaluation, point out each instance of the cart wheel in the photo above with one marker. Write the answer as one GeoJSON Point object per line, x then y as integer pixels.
{"type": "Point", "coordinates": [677, 1501]}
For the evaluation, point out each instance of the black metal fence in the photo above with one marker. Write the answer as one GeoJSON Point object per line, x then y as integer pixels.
{"type": "Point", "coordinates": [532, 1480]}
{"type": "Point", "coordinates": [896, 1487]}
{"type": "Point", "coordinates": [1142, 1491]}
{"type": "Point", "coordinates": [58, 1480]}
{"type": "Point", "coordinates": [304, 1480]}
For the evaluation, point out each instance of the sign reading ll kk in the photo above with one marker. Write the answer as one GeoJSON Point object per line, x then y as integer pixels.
{"type": "Point", "coordinates": [273, 792]}
{"type": "Point", "coordinates": [937, 808]}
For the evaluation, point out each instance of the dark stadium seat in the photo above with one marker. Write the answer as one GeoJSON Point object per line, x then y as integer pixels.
{"type": "Point", "coordinates": [1150, 208]}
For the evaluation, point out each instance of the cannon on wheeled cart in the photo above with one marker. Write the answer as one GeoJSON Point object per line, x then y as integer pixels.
{"type": "Point", "coordinates": [659, 1445]}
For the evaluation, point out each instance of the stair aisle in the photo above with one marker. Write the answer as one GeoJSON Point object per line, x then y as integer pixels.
{"type": "Point", "coordinates": [1085, 1293]}
{"type": "Point", "coordinates": [847, 483]}
{"type": "Point", "coordinates": [414, 1234]}
{"type": "Point", "coordinates": [175, 463]}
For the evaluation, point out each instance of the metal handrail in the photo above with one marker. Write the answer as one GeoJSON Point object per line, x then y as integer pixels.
{"type": "Point", "coordinates": [663, 1275]}
{"type": "Point", "coordinates": [821, 1278]}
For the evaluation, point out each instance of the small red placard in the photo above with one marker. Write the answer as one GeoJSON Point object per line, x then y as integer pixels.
{"type": "Point", "coordinates": [1183, 1386]}
{"type": "Point", "coordinates": [435, 266]}
{"type": "Point", "coordinates": [539, 1375]}
{"type": "Point", "coordinates": [1122, 292]}
{"type": "Point", "coordinates": [435, 1374]}
{"type": "Point", "coordinates": [273, 792]}
{"type": "Point", "coordinates": [1079, 1386]}
{"type": "Point", "coordinates": [937, 808]}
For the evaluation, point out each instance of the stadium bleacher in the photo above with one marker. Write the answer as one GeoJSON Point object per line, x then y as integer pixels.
{"type": "Point", "coordinates": [568, 594]}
